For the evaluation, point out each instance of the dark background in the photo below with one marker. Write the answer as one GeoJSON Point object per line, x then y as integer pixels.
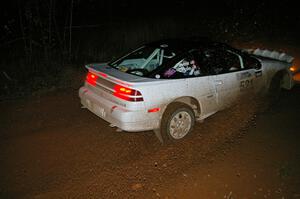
{"type": "Point", "coordinates": [40, 38]}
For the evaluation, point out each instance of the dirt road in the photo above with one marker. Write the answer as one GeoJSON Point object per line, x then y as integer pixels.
{"type": "Point", "coordinates": [51, 148]}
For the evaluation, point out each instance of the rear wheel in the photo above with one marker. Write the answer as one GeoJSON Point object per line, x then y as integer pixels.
{"type": "Point", "coordinates": [177, 122]}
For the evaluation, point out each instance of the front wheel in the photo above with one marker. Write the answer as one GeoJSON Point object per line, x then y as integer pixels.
{"type": "Point", "coordinates": [177, 122]}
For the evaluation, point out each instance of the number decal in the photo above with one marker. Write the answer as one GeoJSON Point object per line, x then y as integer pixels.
{"type": "Point", "coordinates": [245, 84]}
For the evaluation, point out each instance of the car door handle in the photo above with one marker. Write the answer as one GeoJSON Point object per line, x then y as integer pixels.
{"type": "Point", "coordinates": [219, 82]}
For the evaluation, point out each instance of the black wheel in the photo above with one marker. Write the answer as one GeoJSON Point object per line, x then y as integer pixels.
{"type": "Point", "coordinates": [177, 122]}
{"type": "Point", "coordinates": [275, 88]}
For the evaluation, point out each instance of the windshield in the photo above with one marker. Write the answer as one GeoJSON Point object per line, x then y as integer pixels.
{"type": "Point", "coordinates": [143, 61]}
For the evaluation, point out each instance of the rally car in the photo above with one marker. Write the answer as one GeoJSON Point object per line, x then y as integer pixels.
{"type": "Point", "coordinates": [167, 85]}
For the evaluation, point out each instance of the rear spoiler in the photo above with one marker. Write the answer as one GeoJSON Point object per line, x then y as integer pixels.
{"type": "Point", "coordinates": [271, 54]}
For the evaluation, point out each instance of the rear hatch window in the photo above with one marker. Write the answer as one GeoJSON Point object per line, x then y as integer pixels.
{"type": "Point", "coordinates": [144, 60]}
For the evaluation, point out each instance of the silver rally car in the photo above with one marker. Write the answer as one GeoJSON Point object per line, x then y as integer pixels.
{"type": "Point", "coordinates": [167, 85]}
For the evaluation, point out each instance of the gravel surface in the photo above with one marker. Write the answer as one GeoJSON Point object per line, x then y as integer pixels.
{"type": "Point", "coordinates": [51, 148]}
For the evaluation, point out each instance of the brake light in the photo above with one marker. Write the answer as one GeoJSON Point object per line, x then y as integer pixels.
{"type": "Point", "coordinates": [91, 78]}
{"type": "Point", "coordinates": [125, 90]}
{"type": "Point", "coordinates": [127, 94]}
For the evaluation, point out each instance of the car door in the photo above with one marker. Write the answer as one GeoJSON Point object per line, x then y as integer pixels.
{"type": "Point", "coordinates": [202, 86]}
{"type": "Point", "coordinates": [198, 84]}
{"type": "Point", "coordinates": [230, 77]}
{"type": "Point", "coordinates": [250, 62]}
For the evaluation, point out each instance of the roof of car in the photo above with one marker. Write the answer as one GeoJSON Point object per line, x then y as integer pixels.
{"type": "Point", "coordinates": [185, 43]}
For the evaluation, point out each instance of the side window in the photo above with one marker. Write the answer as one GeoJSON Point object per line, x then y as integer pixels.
{"type": "Point", "coordinates": [232, 62]}
{"type": "Point", "coordinates": [251, 62]}
{"type": "Point", "coordinates": [221, 61]}
{"type": "Point", "coordinates": [186, 67]}
{"type": "Point", "coordinates": [201, 61]}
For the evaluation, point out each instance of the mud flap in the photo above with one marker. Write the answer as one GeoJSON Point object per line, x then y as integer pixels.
{"type": "Point", "coordinates": [158, 135]}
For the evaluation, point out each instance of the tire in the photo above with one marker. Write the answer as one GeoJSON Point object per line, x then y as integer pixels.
{"type": "Point", "coordinates": [177, 122]}
{"type": "Point", "coordinates": [275, 88]}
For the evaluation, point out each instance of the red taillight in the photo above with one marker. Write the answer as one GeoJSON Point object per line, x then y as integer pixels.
{"type": "Point", "coordinates": [153, 110]}
{"type": "Point", "coordinates": [128, 94]}
{"type": "Point", "coordinates": [91, 78]}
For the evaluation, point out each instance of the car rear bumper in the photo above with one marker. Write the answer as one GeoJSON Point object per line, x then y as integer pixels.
{"type": "Point", "coordinates": [127, 120]}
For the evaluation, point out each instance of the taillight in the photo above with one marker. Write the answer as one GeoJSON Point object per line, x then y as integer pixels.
{"type": "Point", "coordinates": [127, 94]}
{"type": "Point", "coordinates": [91, 78]}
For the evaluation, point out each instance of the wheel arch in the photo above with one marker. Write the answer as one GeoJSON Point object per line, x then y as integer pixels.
{"type": "Point", "coordinates": [164, 134]}
{"type": "Point", "coordinates": [191, 102]}
{"type": "Point", "coordinates": [285, 77]}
